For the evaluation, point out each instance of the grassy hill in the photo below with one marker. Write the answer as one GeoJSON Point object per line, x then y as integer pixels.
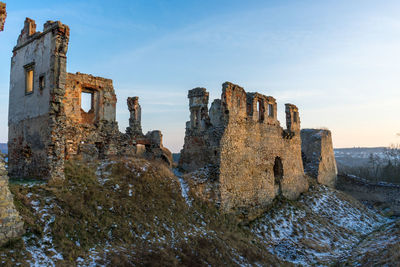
{"type": "Point", "coordinates": [132, 211]}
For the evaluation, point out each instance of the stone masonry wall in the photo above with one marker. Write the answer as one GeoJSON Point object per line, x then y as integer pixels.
{"type": "Point", "coordinates": [36, 148]}
{"type": "Point", "coordinates": [318, 156]}
{"type": "Point", "coordinates": [103, 96]}
{"type": "Point", "coordinates": [242, 157]}
{"type": "Point", "coordinates": [11, 225]}
{"type": "Point", "coordinates": [3, 15]}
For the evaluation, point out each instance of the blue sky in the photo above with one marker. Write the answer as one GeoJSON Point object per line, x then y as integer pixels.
{"type": "Point", "coordinates": [338, 61]}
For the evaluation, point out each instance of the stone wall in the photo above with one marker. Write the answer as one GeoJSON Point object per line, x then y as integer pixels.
{"type": "Point", "coordinates": [318, 156]}
{"type": "Point", "coordinates": [47, 124]}
{"type": "Point", "coordinates": [11, 225]}
{"type": "Point", "coordinates": [238, 154]}
{"type": "Point", "coordinates": [102, 94]}
{"type": "Point", "coordinates": [35, 117]}
{"type": "Point", "coordinates": [3, 15]}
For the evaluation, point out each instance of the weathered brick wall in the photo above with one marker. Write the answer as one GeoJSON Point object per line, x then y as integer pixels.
{"type": "Point", "coordinates": [239, 146]}
{"type": "Point", "coordinates": [11, 225]}
{"type": "Point", "coordinates": [318, 156]}
{"type": "Point", "coordinates": [3, 15]}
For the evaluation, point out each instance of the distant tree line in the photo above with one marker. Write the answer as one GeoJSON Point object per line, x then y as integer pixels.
{"type": "Point", "coordinates": [380, 167]}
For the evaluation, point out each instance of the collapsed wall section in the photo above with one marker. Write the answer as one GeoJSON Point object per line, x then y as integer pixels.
{"type": "Point", "coordinates": [318, 155]}
{"type": "Point", "coordinates": [249, 159]}
{"type": "Point", "coordinates": [37, 81]}
{"type": "Point", "coordinates": [89, 131]}
{"type": "Point", "coordinates": [3, 15]}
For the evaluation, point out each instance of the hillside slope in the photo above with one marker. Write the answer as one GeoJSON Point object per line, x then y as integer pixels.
{"type": "Point", "coordinates": [129, 212]}
{"type": "Point", "coordinates": [124, 213]}
{"type": "Point", "coordinates": [322, 228]}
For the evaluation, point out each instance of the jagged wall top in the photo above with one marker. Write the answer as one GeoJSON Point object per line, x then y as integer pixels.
{"type": "Point", "coordinates": [29, 33]}
{"type": "Point", "coordinates": [236, 105]}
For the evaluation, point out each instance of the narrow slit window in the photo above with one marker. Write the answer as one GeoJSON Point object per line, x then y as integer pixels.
{"type": "Point", "coordinates": [41, 83]}
{"type": "Point", "coordinates": [86, 101]}
{"type": "Point", "coordinates": [295, 116]}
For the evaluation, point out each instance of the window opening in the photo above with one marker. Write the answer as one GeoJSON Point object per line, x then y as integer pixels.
{"type": "Point", "coordinates": [41, 83]}
{"type": "Point", "coordinates": [29, 71]}
{"type": "Point", "coordinates": [270, 110]}
{"type": "Point", "coordinates": [86, 101]}
{"type": "Point", "coordinates": [260, 111]}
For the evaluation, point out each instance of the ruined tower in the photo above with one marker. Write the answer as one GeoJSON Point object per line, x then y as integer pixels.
{"type": "Point", "coordinates": [135, 118]}
{"type": "Point", "coordinates": [3, 15]}
{"type": "Point", "coordinates": [237, 153]}
{"type": "Point", "coordinates": [198, 105]}
{"type": "Point", "coordinates": [318, 155]}
{"type": "Point", "coordinates": [55, 115]}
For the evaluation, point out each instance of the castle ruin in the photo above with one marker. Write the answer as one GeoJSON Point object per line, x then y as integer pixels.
{"type": "Point", "coordinates": [47, 122]}
{"type": "Point", "coordinates": [237, 153]}
{"type": "Point", "coordinates": [3, 15]}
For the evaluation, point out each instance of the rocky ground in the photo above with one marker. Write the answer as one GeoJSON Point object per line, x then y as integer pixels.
{"type": "Point", "coordinates": [130, 212]}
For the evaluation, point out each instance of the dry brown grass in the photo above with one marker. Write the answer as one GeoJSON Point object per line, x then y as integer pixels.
{"type": "Point", "coordinates": [140, 213]}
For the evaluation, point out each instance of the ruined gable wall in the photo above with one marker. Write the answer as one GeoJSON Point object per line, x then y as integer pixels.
{"type": "Point", "coordinates": [3, 15]}
{"type": "Point", "coordinates": [318, 155]}
{"type": "Point", "coordinates": [33, 117]}
{"type": "Point", "coordinates": [249, 148]}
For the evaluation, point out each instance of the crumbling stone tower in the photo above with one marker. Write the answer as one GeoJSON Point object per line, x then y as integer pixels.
{"type": "Point", "coordinates": [318, 155]}
{"type": "Point", "coordinates": [135, 118]}
{"type": "Point", "coordinates": [198, 105]}
{"type": "Point", "coordinates": [237, 153]}
{"type": "Point", "coordinates": [3, 15]}
{"type": "Point", "coordinates": [48, 122]}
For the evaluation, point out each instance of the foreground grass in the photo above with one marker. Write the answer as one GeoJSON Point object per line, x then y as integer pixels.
{"type": "Point", "coordinates": [125, 213]}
